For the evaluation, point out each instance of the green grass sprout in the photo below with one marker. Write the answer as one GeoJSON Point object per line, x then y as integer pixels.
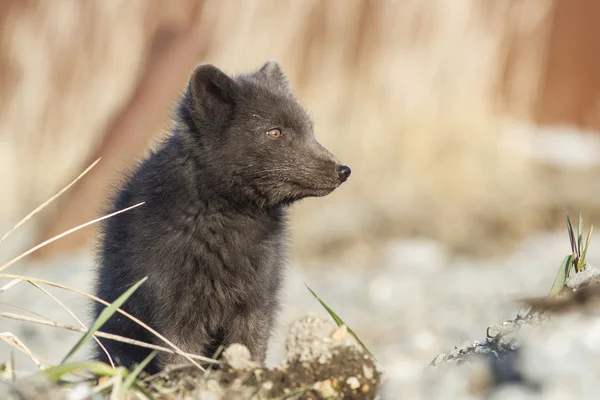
{"type": "Point", "coordinates": [338, 320]}
{"type": "Point", "coordinates": [103, 317]}
{"type": "Point", "coordinates": [574, 261]}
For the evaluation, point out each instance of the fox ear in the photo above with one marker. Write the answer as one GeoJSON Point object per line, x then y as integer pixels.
{"type": "Point", "coordinates": [210, 87]}
{"type": "Point", "coordinates": [273, 73]}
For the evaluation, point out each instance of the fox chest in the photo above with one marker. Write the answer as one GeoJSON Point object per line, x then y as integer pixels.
{"type": "Point", "coordinates": [224, 270]}
{"type": "Point", "coordinates": [229, 250]}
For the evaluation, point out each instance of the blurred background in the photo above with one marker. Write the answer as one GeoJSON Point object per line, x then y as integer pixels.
{"type": "Point", "coordinates": [471, 127]}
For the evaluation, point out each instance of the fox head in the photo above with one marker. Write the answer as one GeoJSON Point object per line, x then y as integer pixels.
{"type": "Point", "coordinates": [254, 140]}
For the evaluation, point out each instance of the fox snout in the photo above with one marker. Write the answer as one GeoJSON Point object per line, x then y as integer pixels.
{"type": "Point", "coordinates": [343, 172]}
{"type": "Point", "coordinates": [336, 173]}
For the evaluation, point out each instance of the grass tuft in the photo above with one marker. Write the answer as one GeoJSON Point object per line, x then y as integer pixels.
{"type": "Point", "coordinates": [122, 381]}
{"type": "Point", "coordinates": [576, 260]}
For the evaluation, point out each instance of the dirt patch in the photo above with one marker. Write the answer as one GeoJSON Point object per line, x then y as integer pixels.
{"type": "Point", "coordinates": [322, 362]}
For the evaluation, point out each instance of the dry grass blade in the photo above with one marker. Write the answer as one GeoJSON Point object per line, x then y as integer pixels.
{"type": "Point", "coordinates": [72, 314]}
{"type": "Point", "coordinates": [131, 317]}
{"type": "Point", "coordinates": [23, 309]}
{"type": "Point", "coordinates": [104, 385]}
{"type": "Point", "coordinates": [104, 335]}
{"type": "Point", "coordinates": [9, 285]}
{"type": "Point", "coordinates": [47, 242]}
{"type": "Point", "coordinates": [50, 200]}
{"type": "Point", "coordinates": [115, 393]}
{"type": "Point", "coordinates": [141, 396]}
{"type": "Point", "coordinates": [14, 342]}
{"type": "Point", "coordinates": [11, 366]}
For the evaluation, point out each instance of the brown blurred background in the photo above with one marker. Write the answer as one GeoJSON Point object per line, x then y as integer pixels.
{"type": "Point", "coordinates": [439, 107]}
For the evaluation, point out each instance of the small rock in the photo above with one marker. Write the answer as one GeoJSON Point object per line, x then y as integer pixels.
{"type": "Point", "coordinates": [339, 334]}
{"type": "Point", "coordinates": [208, 395]}
{"type": "Point", "coordinates": [325, 389]}
{"type": "Point", "coordinates": [482, 349]}
{"type": "Point", "coordinates": [368, 371]}
{"type": "Point", "coordinates": [583, 277]}
{"type": "Point", "coordinates": [237, 356]}
{"type": "Point", "coordinates": [508, 342]}
{"type": "Point", "coordinates": [438, 360]}
{"type": "Point", "coordinates": [353, 382]}
{"type": "Point", "coordinates": [466, 347]}
{"type": "Point", "coordinates": [523, 312]}
{"type": "Point", "coordinates": [313, 338]}
{"type": "Point", "coordinates": [493, 331]}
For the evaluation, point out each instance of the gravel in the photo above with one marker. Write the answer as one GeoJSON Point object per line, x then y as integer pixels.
{"type": "Point", "coordinates": [418, 302]}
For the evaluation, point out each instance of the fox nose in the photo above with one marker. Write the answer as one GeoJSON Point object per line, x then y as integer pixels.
{"type": "Point", "coordinates": [343, 172]}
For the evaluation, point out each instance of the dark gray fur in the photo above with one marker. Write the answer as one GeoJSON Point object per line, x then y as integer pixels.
{"type": "Point", "coordinates": [211, 235]}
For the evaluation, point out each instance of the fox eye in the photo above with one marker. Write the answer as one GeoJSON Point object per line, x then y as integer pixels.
{"type": "Point", "coordinates": [274, 133]}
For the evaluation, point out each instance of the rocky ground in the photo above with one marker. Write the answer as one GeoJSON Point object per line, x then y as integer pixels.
{"type": "Point", "coordinates": [549, 349]}
{"type": "Point", "coordinates": [322, 361]}
{"type": "Point", "coordinates": [417, 303]}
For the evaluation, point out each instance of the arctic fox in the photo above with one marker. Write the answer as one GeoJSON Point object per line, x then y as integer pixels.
{"type": "Point", "coordinates": [211, 235]}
